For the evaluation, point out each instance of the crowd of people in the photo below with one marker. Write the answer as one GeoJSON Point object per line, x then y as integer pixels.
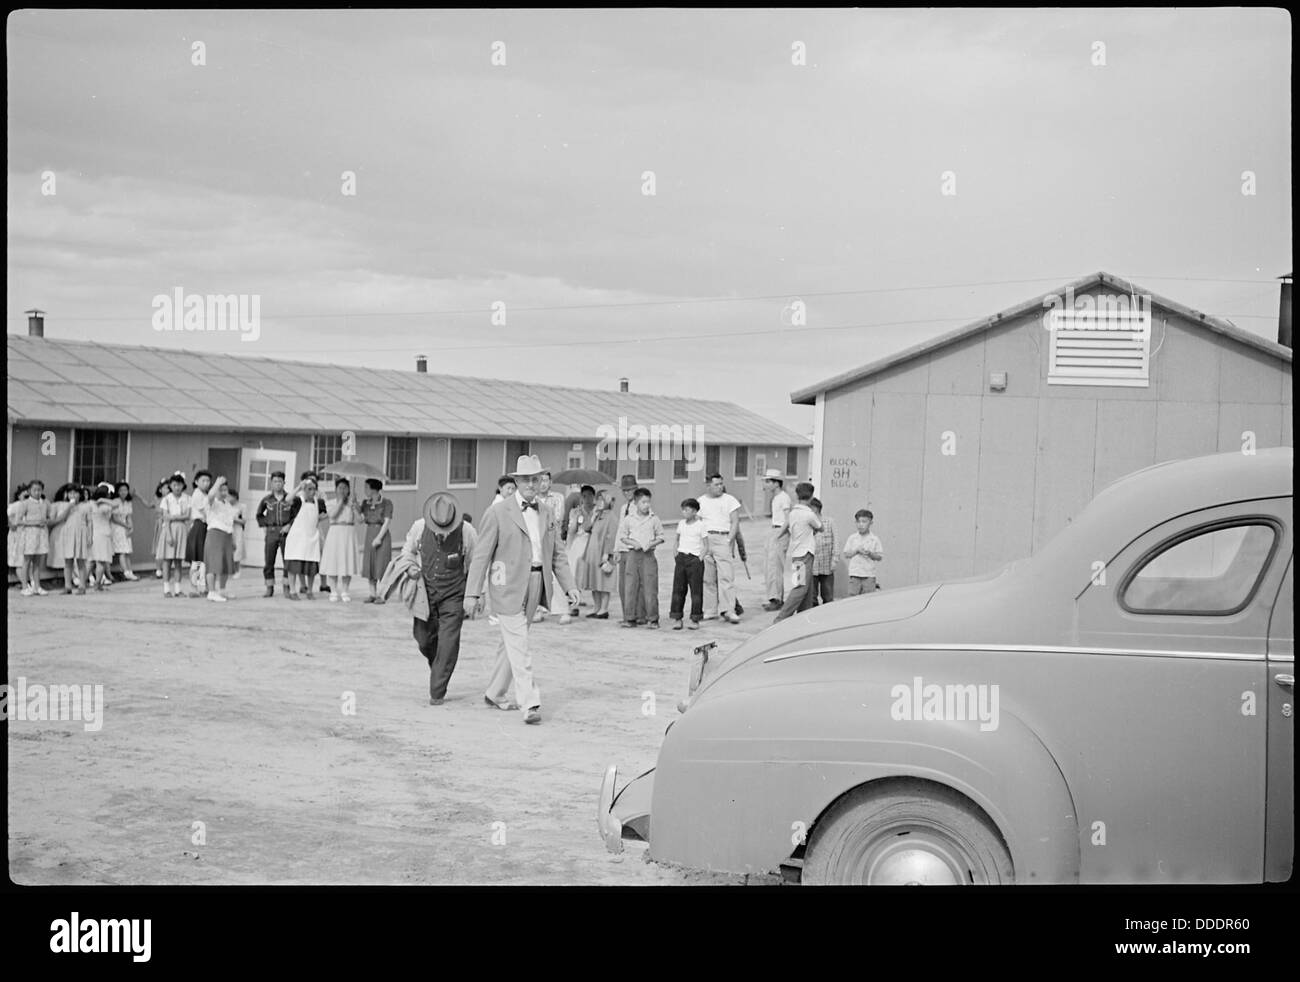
{"type": "Point", "coordinates": [537, 553]}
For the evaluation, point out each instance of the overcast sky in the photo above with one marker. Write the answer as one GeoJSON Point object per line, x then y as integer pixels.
{"type": "Point", "coordinates": [523, 183]}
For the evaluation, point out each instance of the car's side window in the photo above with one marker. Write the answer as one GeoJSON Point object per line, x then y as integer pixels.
{"type": "Point", "coordinates": [1212, 570]}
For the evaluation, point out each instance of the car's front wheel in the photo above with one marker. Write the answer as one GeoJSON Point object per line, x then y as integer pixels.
{"type": "Point", "coordinates": [905, 833]}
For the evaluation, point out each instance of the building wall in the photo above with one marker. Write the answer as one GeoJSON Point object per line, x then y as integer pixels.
{"type": "Point", "coordinates": [152, 455]}
{"type": "Point", "coordinates": [1027, 459]}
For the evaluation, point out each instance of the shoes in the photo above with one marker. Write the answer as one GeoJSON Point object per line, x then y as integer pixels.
{"type": "Point", "coordinates": [600, 617]}
{"type": "Point", "coordinates": [380, 601]}
{"type": "Point", "coordinates": [308, 595]}
{"type": "Point", "coordinates": [217, 598]}
{"type": "Point", "coordinates": [739, 609]}
{"type": "Point", "coordinates": [435, 702]}
{"type": "Point", "coordinates": [28, 592]}
{"type": "Point", "coordinates": [710, 617]}
{"type": "Point", "coordinates": [653, 626]}
{"type": "Point", "coordinates": [67, 589]}
{"type": "Point", "coordinates": [508, 707]}
{"type": "Point", "coordinates": [539, 616]}
{"type": "Point", "coordinates": [566, 618]}
{"type": "Point", "coordinates": [324, 588]}
{"type": "Point", "coordinates": [677, 625]}
{"type": "Point", "coordinates": [293, 596]}
{"type": "Point", "coordinates": [41, 591]}
{"type": "Point", "coordinates": [593, 614]}
{"type": "Point", "coordinates": [132, 577]}
{"type": "Point", "coordinates": [334, 598]}
{"type": "Point", "coordinates": [693, 626]}
{"type": "Point", "coordinates": [346, 598]}
{"type": "Point", "coordinates": [166, 591]}
{"type": "Point", "coordinates": [627, 623]}
{"type": "Point", "coordinates": [157, 574]}
{"type": "Point", "coordinates": [285, 588]}
{"type": "Point", "coordinates": [270, 590]}
{"type": "Point", "coordinates": [533, 715]}
{"type": "Point", "coordinates": [369, 600]}
{"type": "Point", "coordinates": [233, 576]}
{"type": "Point", "coordinates": [731, 618]}
{"type": "Point", "coordinates": [772, 605]}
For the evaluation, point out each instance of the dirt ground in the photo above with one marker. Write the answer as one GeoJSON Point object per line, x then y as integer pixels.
{"type": "Point", "coordinates": [232, 715]}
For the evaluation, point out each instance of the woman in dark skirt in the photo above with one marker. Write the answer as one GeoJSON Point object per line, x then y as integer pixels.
{"type": "Point", "coordinates": [378, 542]}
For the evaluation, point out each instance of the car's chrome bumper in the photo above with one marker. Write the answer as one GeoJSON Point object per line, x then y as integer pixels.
{"type": "Point", "coordinates": [624, 814]}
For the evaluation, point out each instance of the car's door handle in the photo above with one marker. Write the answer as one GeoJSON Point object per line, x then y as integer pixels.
{"type": "Point", "coordinates": [1286, 681]}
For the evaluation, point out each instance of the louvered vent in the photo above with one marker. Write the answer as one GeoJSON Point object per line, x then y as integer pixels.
{"type": "Point", "coordinates": [1100, 347]}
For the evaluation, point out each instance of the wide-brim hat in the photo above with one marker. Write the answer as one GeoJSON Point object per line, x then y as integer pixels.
{"type": "Point", "coordinates": [529, 465]}
{"type": "Point", "coordinates": [442, 512]}
{"type": "Point", "coordinates": [773, 474]}
{"type": "Point", "coordinates": [627, 482]}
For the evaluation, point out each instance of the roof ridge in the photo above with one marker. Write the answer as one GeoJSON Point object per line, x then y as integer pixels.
{"type": "Point", "coordinates": [805, 394]}
{"type": "Point", "coordinates": [110, 345]}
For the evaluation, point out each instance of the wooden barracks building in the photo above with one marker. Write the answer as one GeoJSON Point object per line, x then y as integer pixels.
{"type": "Point", "coordinates": [975, 447]}
{"type": "Point", "coordinates": [86, 412]}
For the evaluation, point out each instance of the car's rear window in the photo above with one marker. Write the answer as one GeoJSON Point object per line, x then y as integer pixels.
{"type": "Point", "coordinates": [1211, 570]}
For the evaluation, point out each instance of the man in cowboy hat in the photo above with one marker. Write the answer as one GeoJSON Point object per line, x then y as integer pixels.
{"type": "Point", "coordinates": [435, 551]}
{"type": "Point", "coordinates": [518, 545]}
{"type": "Point", "coordinates": [778, 542]}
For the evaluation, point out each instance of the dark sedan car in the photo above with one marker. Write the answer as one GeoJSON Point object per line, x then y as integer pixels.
{"type": "Point", "coordinates": [1116, 709]}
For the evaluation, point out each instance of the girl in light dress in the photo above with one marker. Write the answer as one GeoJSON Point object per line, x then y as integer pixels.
{"type": "Point", "coordinates": [580, 517]}
{"type": "Point", "coordinates": [124, 528]}
{"type": "Point", "coordinates": [339, 556]}
{"type": "Point", "coordinates": [174, 513]}
{"type": "Point", "coordinates": [14, 540]}
{"type": "Point", "coordinates": [31, 516]}
{"type": "Point", "coordinates": [70, 535]}
{"type": "Point", "coordinates": [219, 541]}
{"type": "Point", "coordinates": [101, 544]}
{"type": "Point", "coordinates": [596, 571]}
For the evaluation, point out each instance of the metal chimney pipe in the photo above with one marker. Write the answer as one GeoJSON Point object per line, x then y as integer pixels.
{"type": "Point", "coordinates": [1284, 312]}
{"type": "Point", "coordinates": [35, 323]}
{"type": "Point", "coordinates": [622, 385]}
{"type": "Point", "coordinates": [421, 363]}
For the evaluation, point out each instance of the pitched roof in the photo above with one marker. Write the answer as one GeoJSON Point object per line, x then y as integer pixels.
{"type": "Point", "coordinates": [808, 395]}
{"type": "Point", "coordinates": [86, 383]}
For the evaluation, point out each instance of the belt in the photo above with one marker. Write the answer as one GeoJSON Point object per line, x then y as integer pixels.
{"type": "Point", "coordinates": [718, 531]}
{"type": "Point", "coordinates": [536, 568]}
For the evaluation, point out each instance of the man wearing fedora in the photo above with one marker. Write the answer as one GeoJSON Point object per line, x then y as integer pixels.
{"type": "Point", "coordinates": [517, 548]}
{"type": "Point", "coordinates": [627, 484]}
{"type": "Point", "coordinates": [436, 551]}
{"type": "Point", "coordinates": [778, 542]}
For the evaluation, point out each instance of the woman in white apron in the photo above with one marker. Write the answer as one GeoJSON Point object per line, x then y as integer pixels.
{"type": "Point", "coordinates": [302, 544]}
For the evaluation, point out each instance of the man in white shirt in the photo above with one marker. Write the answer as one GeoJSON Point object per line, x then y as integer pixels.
{"type": "Point", "coordinates": [721, 515]}
{"type": "Point", "coordinates": [804, 523]}
{"type": "Point", "coordinates": [778, 541]}
{"type": "Point", "coordinates": [518, 545]}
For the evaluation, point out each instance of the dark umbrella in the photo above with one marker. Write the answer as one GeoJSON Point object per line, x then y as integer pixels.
{"type": "Point", "coordinates": [354, 468]}
{"type": "Point", "coordinates": [580, 475]}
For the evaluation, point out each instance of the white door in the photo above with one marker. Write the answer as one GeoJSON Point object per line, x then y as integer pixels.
{"type": "Point", "coordinates": [255, 469]}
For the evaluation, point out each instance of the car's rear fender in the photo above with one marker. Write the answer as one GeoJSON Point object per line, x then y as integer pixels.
{"type": "Point", "coordinates": [736, 790]}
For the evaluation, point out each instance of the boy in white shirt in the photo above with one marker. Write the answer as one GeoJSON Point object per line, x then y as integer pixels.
{"type": "Point", "coordinates": [688, 566]}
{"type": "Point", "coordinates": [863, 551]}
{"type": "Point", "coordinates": [804, 524]}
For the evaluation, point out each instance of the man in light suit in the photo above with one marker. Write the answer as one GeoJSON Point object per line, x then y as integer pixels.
{"type": "Point", "coordinates": [518, 545]}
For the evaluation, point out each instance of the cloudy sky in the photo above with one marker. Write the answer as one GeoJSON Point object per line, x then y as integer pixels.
{"type": "Point", "coordinates": [523, 183]}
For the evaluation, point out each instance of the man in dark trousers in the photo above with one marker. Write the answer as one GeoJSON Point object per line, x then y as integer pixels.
{"type": "Point", "coordinates": [273, 517]}
{"type": "Point", "coordinates": [438, 546]}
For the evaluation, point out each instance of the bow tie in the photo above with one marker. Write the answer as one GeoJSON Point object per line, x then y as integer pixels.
{"type": "Point", "coordinates": [530, 504]}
